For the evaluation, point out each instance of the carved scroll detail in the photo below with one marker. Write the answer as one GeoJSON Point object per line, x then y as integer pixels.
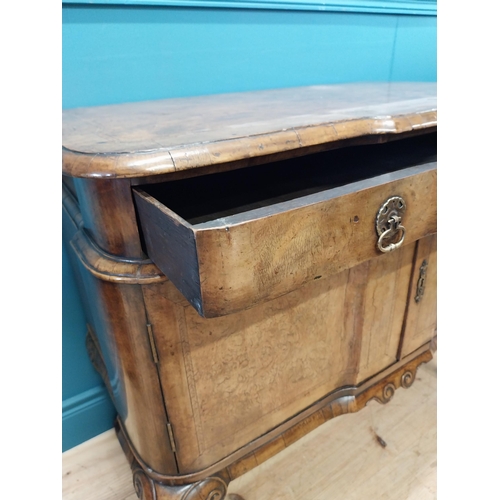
{"type": "Point", "coordinates": [146, 488]}
{"type": "Point", "coordinates": [212, 488]}
{"type": "Point", "coordinates": [407, 379]}
{"type": "Point", "coordinates": [143, 485]}
{"type": "Point", "coordinates": [388, 392]}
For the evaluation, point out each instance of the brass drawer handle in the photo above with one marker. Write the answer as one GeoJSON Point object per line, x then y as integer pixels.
{"type": "Point", "coordinates": [395, 227]}
{"type": "Point", "coordinates": [390, 231]}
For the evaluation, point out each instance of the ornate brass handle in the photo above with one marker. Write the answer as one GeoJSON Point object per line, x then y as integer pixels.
{"type": "Point", "coordinates": [394, 228]}
{"type": "Point", "coordinates": [388, 224]}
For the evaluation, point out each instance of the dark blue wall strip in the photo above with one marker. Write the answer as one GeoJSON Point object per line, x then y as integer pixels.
{"type": "Point", "coordinates": [85, 416]}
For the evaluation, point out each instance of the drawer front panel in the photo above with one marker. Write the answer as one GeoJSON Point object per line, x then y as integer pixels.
{"type": "Point", "coordinates": [235, 262]}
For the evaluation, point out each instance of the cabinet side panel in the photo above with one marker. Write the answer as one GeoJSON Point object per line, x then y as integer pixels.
{"type": "Point", "coordinates": [109, 216]}
{"type": "Point", "coordinates": [421, 320]}
{"type": "Point", "coordinates": [117, 317]}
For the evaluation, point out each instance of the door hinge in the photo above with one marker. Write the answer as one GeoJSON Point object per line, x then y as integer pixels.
{"type": "Point", "coordinates": [171, 437]}
{"type": "Point", "coordinates": [152, 342]}
{"type": "Point", "coordinates": [421, 281]}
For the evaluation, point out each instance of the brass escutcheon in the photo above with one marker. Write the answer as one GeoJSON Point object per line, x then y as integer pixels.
{"type": "Point", "coordinates": [421, 281]}
{"type": "Point", "coordinates": [391, 233]}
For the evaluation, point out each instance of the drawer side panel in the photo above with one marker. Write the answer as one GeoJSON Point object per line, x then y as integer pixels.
{"type": "Point", "coordinates": [171, 245]}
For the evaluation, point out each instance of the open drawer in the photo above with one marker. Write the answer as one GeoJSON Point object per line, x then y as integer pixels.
{"type": "Point", "coordinates": [231, 240]}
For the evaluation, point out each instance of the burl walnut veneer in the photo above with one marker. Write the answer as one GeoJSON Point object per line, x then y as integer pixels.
{"type": "Point", "coordinates": [252, 265]}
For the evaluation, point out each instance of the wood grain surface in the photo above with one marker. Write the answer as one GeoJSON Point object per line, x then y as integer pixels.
{"type": "Point", "coordinates": [115, 313]}
{"type": "Point", "coordinates": [305, 319]}
{"type": "Point", "coordinates": [118, 320]}
{"type": "Point", "coordinates": [228, 380]}
{"type": "Point", "coordinates": [343, 458]}
{"type": "Point", "coordinates": [158, 137]}
{"type": "Point", "coordinates": [262, 254]}
{"type": "Point", "coordinates": [421, 319]}
{"type": "Point", "coordinates": [100, 200]}
{"type": "Point", "coordinates": [109, 268]}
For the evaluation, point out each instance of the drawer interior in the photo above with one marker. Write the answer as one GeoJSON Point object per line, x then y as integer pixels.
{"type": "Point", "coordinates": [232, 239]}
{"type": "Point", "coordinates": [201, 199]}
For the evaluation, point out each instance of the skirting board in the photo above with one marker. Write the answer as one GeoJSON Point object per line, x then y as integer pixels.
{"type": "Point", "coordinates": [86, 415]}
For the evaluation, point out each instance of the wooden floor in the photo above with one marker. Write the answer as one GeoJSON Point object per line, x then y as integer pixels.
{"type": "Point", "coordinates": [342, 459]}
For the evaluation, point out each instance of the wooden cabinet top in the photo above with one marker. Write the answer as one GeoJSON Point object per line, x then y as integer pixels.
{"type": "Point", "coordinates": [150, 138]}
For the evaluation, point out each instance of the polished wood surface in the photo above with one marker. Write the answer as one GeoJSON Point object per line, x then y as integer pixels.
{"type": "Point", "coordinates": [202, 485]}
{"type": "Point", "coordinates": [382, 390]}
{"type": "Point", "coordinates": [109, 268]}
{"type": "Point", "coordinates": [236, 262]}
{"type": "Point", "coordinates": [379, 309]}
{"type": "Point", "coordinates": [305, 318]}
{"type": "Point", "coordinates": [115, 314]}
{"type": "Point", "coordinates": [421, 320]}
{"type": "Point", "coordinates": [119, 323]}
{"type": "Point", "coordinates": [158, 137]}
{"type": "Point", "coordinates": [342, 458]}
{"type": "Point", "coordinates": [231, 379]}
{"type": "Point", "coordinates": [100, 200]}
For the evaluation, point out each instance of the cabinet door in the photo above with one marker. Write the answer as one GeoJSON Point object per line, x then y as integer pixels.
{"type": "Point", "coordinates": [231, 379]}
{"type": "Point", "coordinates": [421, 319]}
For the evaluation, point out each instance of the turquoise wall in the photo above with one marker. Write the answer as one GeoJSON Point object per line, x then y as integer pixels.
{"type": "Point", "coordinates": [115, 53]}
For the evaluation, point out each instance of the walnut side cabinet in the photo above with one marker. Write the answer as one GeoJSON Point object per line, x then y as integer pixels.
{"type": "Point", "coordinates": [252, 265]}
